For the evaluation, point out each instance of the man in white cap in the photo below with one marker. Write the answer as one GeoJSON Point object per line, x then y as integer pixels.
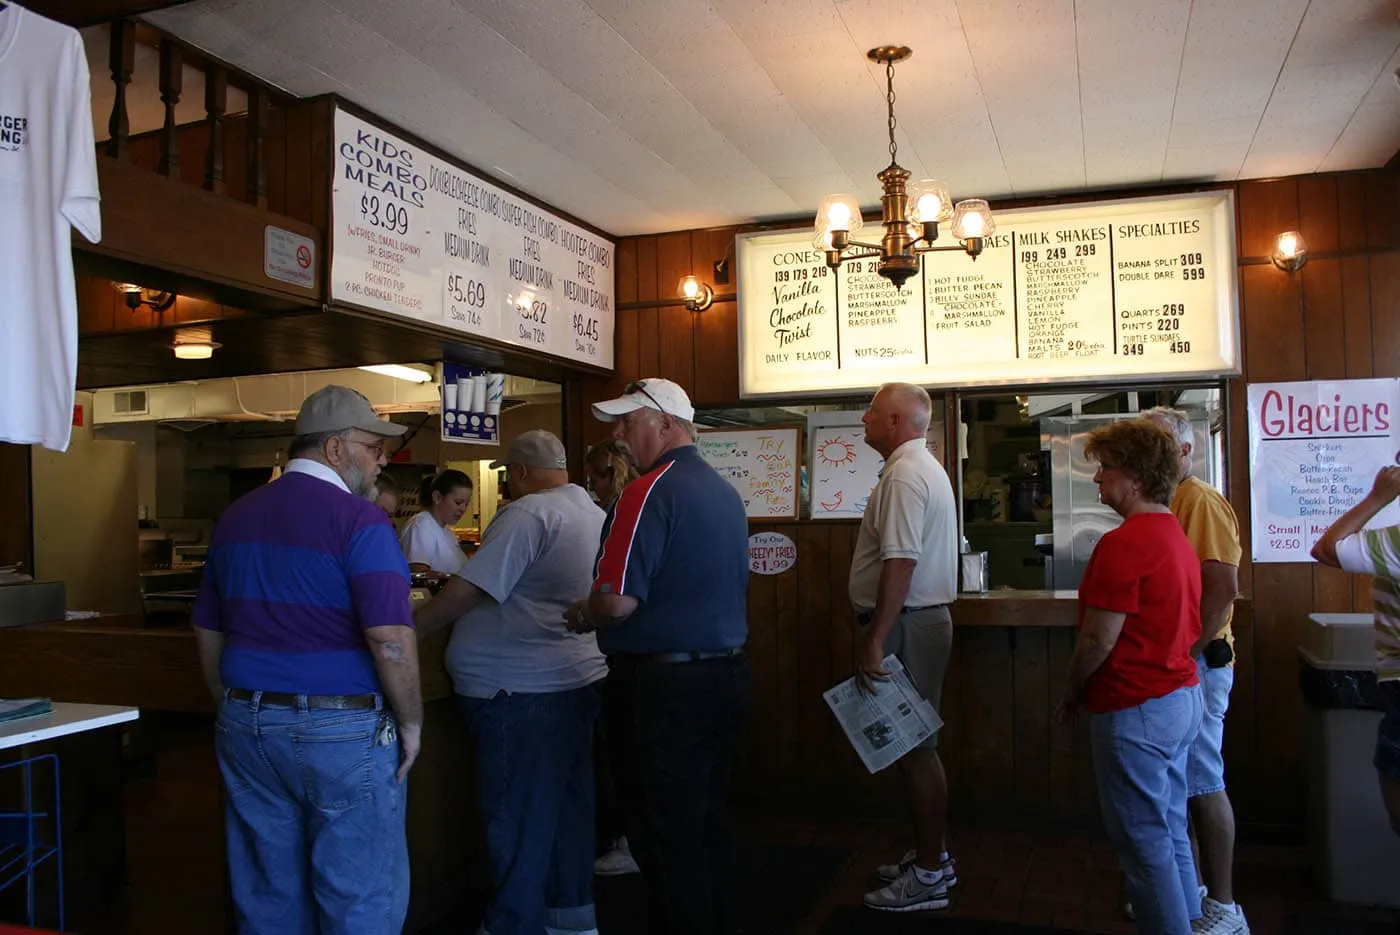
{"type": "Point", "coordinates": [525, 685]}
{"type": "Point", "coordinates": [306, 641]}
{"type": "Point", "coordinates": [669, 599]}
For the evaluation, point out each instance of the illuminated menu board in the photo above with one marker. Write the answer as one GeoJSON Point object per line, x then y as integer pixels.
{"type": "Point", "coordinates": [419, 237]}
{"type": "Point", "coordinates": [1104, 291]}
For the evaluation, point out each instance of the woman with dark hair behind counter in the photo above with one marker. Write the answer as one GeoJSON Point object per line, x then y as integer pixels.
{"type": "Point", "coordinates": [427, 539]}
{"type": "Point", "coordinates": [609, 470]}
{"type": "Point", "coordinates": [1139, 615]}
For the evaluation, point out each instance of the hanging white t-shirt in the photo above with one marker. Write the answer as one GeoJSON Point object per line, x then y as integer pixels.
{"type": "Point", "coordinates": [427, 541]}
{"type": "Point", "coordinates": [48, 186]}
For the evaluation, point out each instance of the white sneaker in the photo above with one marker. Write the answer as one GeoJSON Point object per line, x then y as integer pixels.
{"type": "Point", "coordinates": [616, 862]}
{"type": "Point", "coordinates": [1217, 920]}
{"type": "Point", "coordinates": [907, 894]}
{"type": "Point", "coordinates": [889, 872]}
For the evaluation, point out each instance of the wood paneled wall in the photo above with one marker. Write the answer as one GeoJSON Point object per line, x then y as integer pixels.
{"type": "Point", "coordinates": [1338, 317]}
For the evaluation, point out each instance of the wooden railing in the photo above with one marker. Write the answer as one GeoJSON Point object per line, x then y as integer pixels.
{"type": "Point", "coordinates": [218, 78]}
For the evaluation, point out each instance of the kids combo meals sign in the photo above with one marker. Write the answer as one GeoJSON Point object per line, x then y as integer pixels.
{"type": "Point", "coordinates": [1314, 450]}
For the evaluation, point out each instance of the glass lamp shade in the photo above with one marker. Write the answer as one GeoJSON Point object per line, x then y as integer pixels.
{"type": "Point", "coordinates": [973, 218]}
{"type": "Point", "coordinates": [930, 202]}
{"type": "Point", "coordinates": [823, 241]}
{"type": "Point", "coordinates": [1290, 251]}
{"type": "Point", "coordinates": [838, 213]}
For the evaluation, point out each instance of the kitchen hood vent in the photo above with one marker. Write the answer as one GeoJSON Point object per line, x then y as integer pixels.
{"type": "Point", "coordinates": [130, 403]}
{"type": "Point", "coordinates": [277, 397]}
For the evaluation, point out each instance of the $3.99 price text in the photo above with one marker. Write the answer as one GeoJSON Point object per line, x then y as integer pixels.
{"type": "Point", "coordinates": [385, 214]}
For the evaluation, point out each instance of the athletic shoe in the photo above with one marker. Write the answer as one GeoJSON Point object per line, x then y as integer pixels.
{"type": "Point", "coordinates": [1217, 920]}
{"type": "Point", "coordinates": [616, 862]}
{"type": "Point", "coordinates": [888, 872]}
{"type": "Point", "coordinates": [907, 894]}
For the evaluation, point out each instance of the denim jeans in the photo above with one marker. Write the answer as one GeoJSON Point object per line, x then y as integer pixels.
{"type": "Point", "coordinates": [534, 757]}
{"type": "Point", "coordinates": [315, 819]}
{"type": "Point", "coordinates": [1140, 769]}
{"type": "Point", "coordinates": [1205, 762]}
{"type": "Point", "coordinates": [673, 728]}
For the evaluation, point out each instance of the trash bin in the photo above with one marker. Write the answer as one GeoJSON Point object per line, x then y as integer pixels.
{"type": "Point", "coordinates": [1357, 854]}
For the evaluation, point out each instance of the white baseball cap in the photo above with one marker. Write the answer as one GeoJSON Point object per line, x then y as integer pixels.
{"type": "Point", "coordinates": [651, 393]}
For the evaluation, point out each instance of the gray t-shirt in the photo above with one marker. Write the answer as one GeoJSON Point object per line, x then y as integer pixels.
{"type": "Point", "coordinates": [535, 559]}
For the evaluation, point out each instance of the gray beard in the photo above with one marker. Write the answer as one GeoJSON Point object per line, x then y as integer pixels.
{"type": "Point", "coordinates": [356, 480]}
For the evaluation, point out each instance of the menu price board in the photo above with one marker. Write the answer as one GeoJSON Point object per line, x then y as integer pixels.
{"type": "Point", "coordinates": [419, 237]}
{"type": "Point", "coordinates": [1103, 291]}
{"type": "Point", "coordinates": [1314, 450]}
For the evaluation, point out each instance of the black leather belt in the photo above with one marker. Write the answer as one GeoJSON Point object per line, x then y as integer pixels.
{"type": "Point", "coordinates": [689, 656]}
{"type": "Point", "coordinates": [283, 700]}
{"type": "Point", "coordinates": [864, 618]}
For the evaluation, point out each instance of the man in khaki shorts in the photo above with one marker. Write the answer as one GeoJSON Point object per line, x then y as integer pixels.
{"type": "Point", "coordinates": [903, 577]}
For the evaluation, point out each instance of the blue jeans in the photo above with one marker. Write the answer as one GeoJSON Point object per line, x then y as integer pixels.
{"type": "Point", "coordinates": [673, 729]}
{"type": "Point", "coordinates": [1140, 769]}
{"type": "Point", "coordinates": [534, 757]}
{"type": "Point", "coordinates": [1205, 762]}
{"type": "Point", "coordinates": [315, 819]}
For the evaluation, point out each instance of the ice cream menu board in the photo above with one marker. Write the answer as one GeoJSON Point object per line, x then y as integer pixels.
{"type": "Point", "coordinates": [416, 236]}
{"type": "Point", "coordinates": [1314, 450]}
{"type": "Point", "coordinates": [1101, 291]}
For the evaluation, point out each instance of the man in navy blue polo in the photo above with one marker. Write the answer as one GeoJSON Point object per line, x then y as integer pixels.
{"type": "Point", "coordinates": [669, 600]}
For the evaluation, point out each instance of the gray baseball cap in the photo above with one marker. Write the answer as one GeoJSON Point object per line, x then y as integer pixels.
{"type": "Point", "coordinates": [337, 408]}
{"type": "Point", "coordinates": [536, 449]}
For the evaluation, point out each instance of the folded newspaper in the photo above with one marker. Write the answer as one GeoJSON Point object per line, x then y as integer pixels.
{"type": "Point", "coordinates": [887, 724]}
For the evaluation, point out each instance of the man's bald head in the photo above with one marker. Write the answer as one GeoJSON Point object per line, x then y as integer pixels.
{"type": "Point", "coordinates": [898, 413]}
{"type": "Point", "coordinates": [913, 404]}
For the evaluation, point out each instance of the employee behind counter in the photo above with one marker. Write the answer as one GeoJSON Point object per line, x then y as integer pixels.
{"type": "Point", "coordinates": [427, 539]}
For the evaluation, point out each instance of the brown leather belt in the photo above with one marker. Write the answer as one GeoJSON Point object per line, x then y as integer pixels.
{"type": "Point", "coordinates": [283, 700]}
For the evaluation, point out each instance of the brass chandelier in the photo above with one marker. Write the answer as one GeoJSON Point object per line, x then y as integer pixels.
{"type": "Point", "coordinates": [908, 233]}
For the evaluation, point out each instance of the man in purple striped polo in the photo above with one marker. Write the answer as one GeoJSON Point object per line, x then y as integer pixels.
{"type": "Point", "coordinates": [306, 640]}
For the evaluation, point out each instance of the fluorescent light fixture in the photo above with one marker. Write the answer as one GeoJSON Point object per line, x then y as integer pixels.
{"type": "Point", "coordinates": [399, 372]}
{"type": "Point", "coordinates": [194, 350]}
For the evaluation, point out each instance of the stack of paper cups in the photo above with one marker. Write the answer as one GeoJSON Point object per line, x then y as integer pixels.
{"type": "Point", "coordinates": [449, 402]}
{"type": "Point", "coordinates": [495, 390]}
{"type": "Point", "coordinates": [479, 393]}
{"type": "Point", "coordinates": [464, 394]}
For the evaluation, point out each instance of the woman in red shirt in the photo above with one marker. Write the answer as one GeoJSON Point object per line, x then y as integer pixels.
{"type": "Point", "coordinates": [1139, 615]}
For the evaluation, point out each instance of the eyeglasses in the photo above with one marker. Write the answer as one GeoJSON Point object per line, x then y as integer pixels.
{"type": "Point", "coordinates": [640, 386]}
{"type": "Point", "coordinates": [374, 448]}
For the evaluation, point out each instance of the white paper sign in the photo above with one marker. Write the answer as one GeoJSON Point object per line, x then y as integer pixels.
{"type": "Point", "coordinates": [1314, 450]}
{"type": "Point", "coordinates": [1134, 289]}
{"type": "Point", "coordinates": [416, 236]}
{"type": "Point", "coordinates": [771, 553]}
{"type": "Point", "coordinates": [844, 468]}
{"type": "Point", "coordinates": [761, 464]}
{"type": "Point", "coordinates": [289, 257]}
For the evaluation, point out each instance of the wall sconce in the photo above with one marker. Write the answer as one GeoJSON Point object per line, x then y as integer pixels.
{"type": "Point", "coordinates": [194, 348]}
{"type": "Point", "coordinates": [136, 296]}
{"type": "Point", "coordinates": [698, 295]}
{"type": "Point", "coordinates": [1290, 251]}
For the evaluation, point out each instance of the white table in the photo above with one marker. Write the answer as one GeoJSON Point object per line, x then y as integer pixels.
{"type": "Point", "coordinates": [66, 718]}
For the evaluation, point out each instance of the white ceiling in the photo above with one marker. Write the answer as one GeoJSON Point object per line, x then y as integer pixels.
{"type": "Point", "coordinates": [652, 115]}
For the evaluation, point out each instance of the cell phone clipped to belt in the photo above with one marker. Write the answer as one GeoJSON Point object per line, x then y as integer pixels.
{"type": "Point", "coordinates": [1218, 653]}
{"type": "Point", "coordinates": [386, 734]}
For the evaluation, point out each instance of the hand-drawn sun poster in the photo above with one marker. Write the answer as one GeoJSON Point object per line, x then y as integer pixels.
{"type": "Point", "coordinates": [844, 468]}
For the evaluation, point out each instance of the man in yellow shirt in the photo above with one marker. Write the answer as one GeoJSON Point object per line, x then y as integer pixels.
{"type": "Point", "coordinates": [1214, 531]}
